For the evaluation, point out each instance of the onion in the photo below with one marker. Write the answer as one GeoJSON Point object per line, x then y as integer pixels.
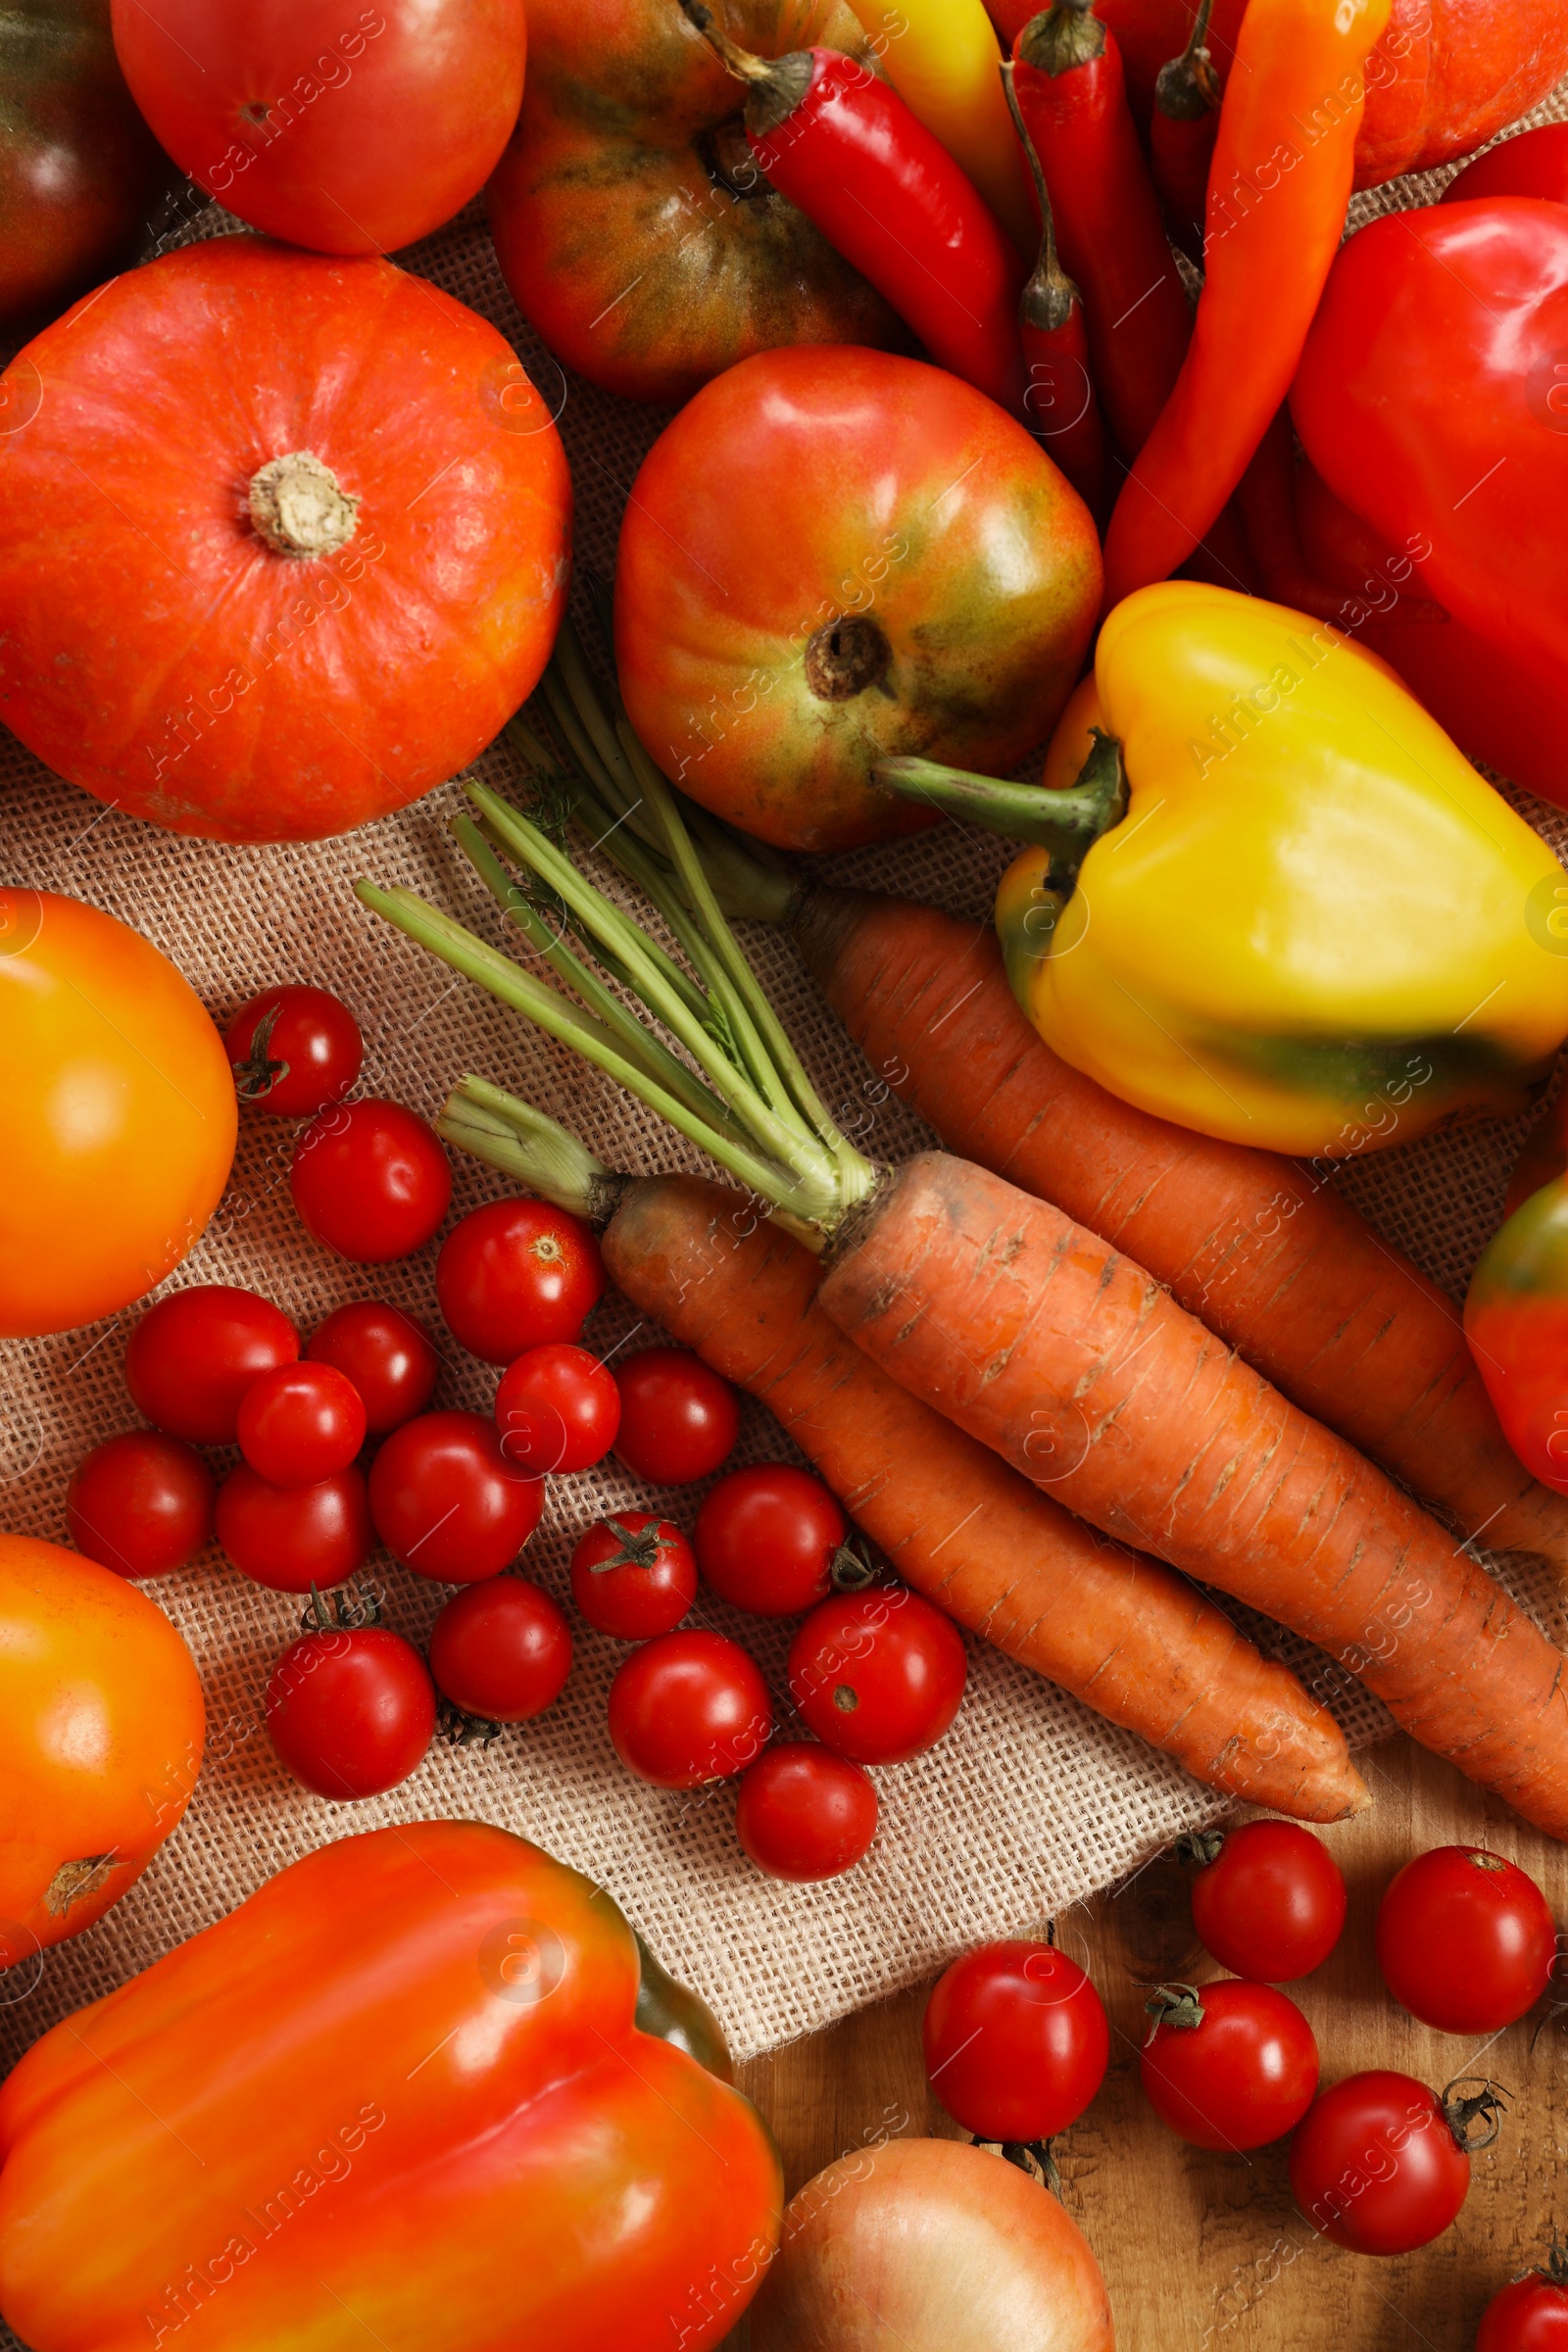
{"type": "Point", "coordinates": [930, 2245]}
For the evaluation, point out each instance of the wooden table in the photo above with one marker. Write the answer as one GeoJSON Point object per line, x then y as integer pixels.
{"type": "Point", "coordinates": [1206, 2253]}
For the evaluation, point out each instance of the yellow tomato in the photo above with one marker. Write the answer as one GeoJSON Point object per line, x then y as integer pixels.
{"type": "Point", "coordinates": [101, 1733]}
{"type": "Point", "coordinates": [116, 1114]}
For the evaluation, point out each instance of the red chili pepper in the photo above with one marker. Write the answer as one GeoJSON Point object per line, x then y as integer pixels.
{"type": "Point", "coordinates": [889, 197]}
{"type": "Point", "coordinates": [1182, 132]}
{"type": "Point", "coordinates": [1059, 396]}
{"type": "Point", "coordinates": [1073, 97]}
{"type": "Point", "coordinates": [1283, 169]}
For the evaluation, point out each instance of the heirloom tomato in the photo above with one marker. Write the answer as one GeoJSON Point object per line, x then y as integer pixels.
{"type": "Point", "coordinates": [81, 173]}
{"type": "Point", "coordinates": [431, 2093]}
{"type": "Point", "coordinates": [101, 1733]}
{"type": "Point", "coordinates": [352, 133]}
{"type": "Point", "coordinates": [836, 556]}
{"type": "Point", "coordinates": [284, 541]}
{"type": "Point", "coordinates": [630, 220]}
{"type": "Point", "coordinates": [116, 1114]}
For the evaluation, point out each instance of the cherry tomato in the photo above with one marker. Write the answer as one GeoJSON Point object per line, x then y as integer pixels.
{"type": "Point", "coordinates": [291, 1538]}
{"type": "Point", "coordinates": [140, 1504]}
{"type": "Point", "coordinates": [388, 1357]}
{"type": "Point", "coordinates": [877, 1674]}
{"type": "Point", "coordinates": [1016, 2040]}
{"type": "Point", "coordinates": [1535, 164]}
{"type": "Point", "coordinates": [633, 1576]}
{"type": "Point", "coordinates": [1530, 2315]}
{"type": "Point", "coordinates": [501, 1650]}
{"type": "Point", "coordinates": [1272, 1904]}
{"type": "Point", "coordinates": [517, 1274]}
{"type": "Point", "coordinates": [448, 1503]}
{"type": "Point", "coordinates": [299, 1423]}
{"type": "Point", "coordinates": [678, 1420]}
{"type": "Point", "coordinates": [1465, 1939]}
{"type": "Point", "coordinates": [351, 1709]}
{"type": "Point", "coordinates": [1230, 2065]}
{"type": "Point", "coordinates": [802, 1813]}
{"type": "Point", "coordinates": [688, 1708]}
{"type": "Point", "coordinates": [1375, 2167]}
{"type": "Point", "coordinates": [557, 1408]}
{"type": "Point", "coordinates": [371, 1181]}
{"type": "Point", "coordinates": [192, 1356]}
{"type": "Point", "coordinates": [766, 1539]}
{"type": "Point", "coordinates": [293, 1051]}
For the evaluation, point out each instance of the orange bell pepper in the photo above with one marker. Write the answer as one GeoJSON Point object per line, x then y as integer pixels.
{"type": "Point", "coordinates": [418, 2092]}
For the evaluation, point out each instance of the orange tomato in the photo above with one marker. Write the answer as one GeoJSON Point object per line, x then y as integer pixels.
{"type": "Point", "coordinates": [101, 1733]}
{"type": "Point", "coordinates": [116, 1114]}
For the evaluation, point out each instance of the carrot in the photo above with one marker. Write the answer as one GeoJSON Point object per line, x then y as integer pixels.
{"type": "Point", "coordinates": [1031, 1334]}
{"type": "Point", "coordinates": [1024, 1328]}
{"type": "Point", "coordinates": [1123, 1633]}
{"type": "Point", "coordinates": [1266, 1251]}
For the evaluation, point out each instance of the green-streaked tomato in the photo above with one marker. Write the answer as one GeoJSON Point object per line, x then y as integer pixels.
{"type": "Point", "coordinates": [834, 557]}
{"type": "Point", "coordinates": [1516, 1321]}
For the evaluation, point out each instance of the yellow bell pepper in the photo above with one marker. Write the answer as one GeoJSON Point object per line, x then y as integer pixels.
{"type": "Point", "coordinates": [944, 59]}
{"type": "Point", "coordinates": [1267, 897]}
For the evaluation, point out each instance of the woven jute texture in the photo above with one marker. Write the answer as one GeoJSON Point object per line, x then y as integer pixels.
{"type": "Point", "coordinates": [1026, 1807]}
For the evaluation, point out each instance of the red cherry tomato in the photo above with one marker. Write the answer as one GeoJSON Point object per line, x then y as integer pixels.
{"type": "Point", "coordinates": [351, 1710]}
{"type": "Point", "coordinates": [518, 1274]}
{"type": "Point", "coordinates": [1016, 2040]}
{"type": "Point", "coordinates": [766, 1539]}
{"type": "Point", "coordinates": [633, 1576]}
{"type": "Point", "coordinates": [1465, 1941]}
{"type": "Point", "coordinates": [293, 1051]}
{"type": "Point", "coordinates": [388, 1357]}
{"type": "Point", "coordinates": [1535, 164]}
{"type": "Point", "coordinates": [500, 1651]}
{"type": "Point", "coordinates": [1375, 2167]}
{"type": "Point", "coordinates": [1272, 1904]}
{"type": "Point", "coordinates": [688, 1708]}
{"type": "Point", "coordinates": [448, 1503]}
{"type": "Point", "coordinates": [557, 1409]}
{"type": "Point", "coordinates": [299, 1423]}
{"type": "Point", "coordinates": [1230, 2065]}
{"type": "Point", "coordinates": [802, 1813]}
{"type": "Point", "coordinates": [140, 1504]}
{"type": "Point", "coordinates": [291, 1538]}
{"type": "Point", "coordinates": [678, 1420]}
{"type": "Point", "coordinates": [1530, 2315]}
{"type": "Point", "coordinates": [878, 1674]}
{"type": "Point", "coordinates": [371, 1181]}
{"type": "Point", "coordinates": [193, 1356]}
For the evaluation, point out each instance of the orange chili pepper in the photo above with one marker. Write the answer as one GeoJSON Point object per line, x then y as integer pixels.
{"type": "Point", "coordinates": [1284, 163]}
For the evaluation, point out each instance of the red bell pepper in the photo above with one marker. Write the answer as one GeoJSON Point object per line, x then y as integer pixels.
{"type": "Point", "coordinates": [1433, 400]}
{"type": "Point", "coordinates": [421, 2091]}
{"type": "Point", "coordinates": [1516, 1314]}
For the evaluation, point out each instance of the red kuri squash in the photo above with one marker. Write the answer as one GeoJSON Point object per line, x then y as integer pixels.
{"type": "Point", "coordinates": [283, 540]}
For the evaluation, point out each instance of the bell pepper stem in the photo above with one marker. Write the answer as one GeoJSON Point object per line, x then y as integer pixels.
{"type": "Point", "coordinates": [1066, 824]}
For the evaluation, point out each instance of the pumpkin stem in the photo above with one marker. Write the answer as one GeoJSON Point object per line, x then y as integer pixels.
{"type": "Point", "coordinates": [300, 509]}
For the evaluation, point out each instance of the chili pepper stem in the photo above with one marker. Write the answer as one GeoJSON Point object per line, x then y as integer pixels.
{"type": "Point", "coordinates": [775, 85]}
{"type": "Point", "coordinates": [1049, 298]}
{"type": "Point", "coordinates": [1066, 34]}
{"type": "Point", "coordinates": [1066, 824]}
{"type": "Point", "coordinates": [1186, 87]}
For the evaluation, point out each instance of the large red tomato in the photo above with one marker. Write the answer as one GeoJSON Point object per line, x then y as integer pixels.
{"type": "Point", "coordinates": [283, 541]}
{"type": "Point", "coordinates": [101, 1735]}
{"type": "Point", "coordinates": [116, 1114]}
{"type": "Point", "coordinates": [632, 225]}
{"type": "Point", "coordinates": [834, 557]}
{"type": "Point", "coordinates": [1445, 77]}
{"type": "Point", "coordinates": [351, 131]}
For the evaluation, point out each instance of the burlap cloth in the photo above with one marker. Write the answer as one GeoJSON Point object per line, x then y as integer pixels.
{"type": "Point", "coordinates": [1028, 1805]}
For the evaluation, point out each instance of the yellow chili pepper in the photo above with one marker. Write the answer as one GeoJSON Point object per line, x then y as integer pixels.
{"type": "Point", "coordinates": [1267, 897]}
{"type": "Point", "coordinates": [944, 59]}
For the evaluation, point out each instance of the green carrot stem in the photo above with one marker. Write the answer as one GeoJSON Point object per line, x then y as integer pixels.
{"type": "Point", "coordinates": [801, 1192]}
{"type": "Point", "coordinates": [636, 1041]}
{"type": "Point", "coordinates": [788, 1141]}
{"type": "Point", "coordinates": [524, 1142]}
